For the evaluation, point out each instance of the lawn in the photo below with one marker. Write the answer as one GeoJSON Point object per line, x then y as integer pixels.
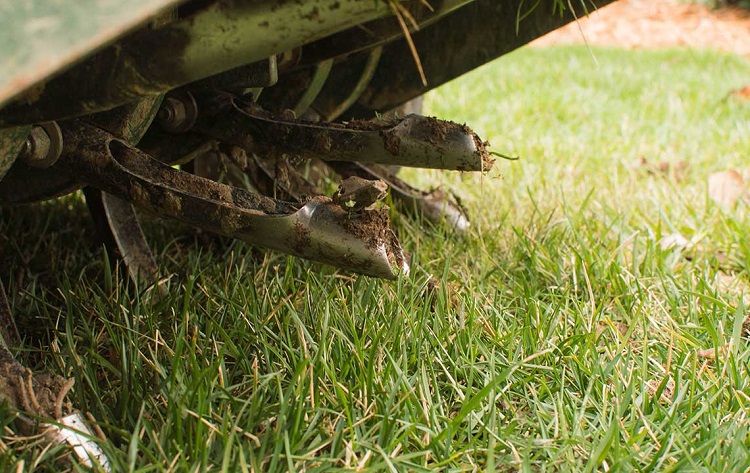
{"type": "Point", "coordinates": [565, 336]}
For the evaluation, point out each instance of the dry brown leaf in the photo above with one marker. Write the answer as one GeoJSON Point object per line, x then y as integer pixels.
{"type": "Point", "coordinates": [727, 282]}
{"type": "Point", "coordinates": [721, 260]}
{"type": "Point", "coordinates": [742, 94]}
{"type": "Point", "coordinates": [666, 169]}
{"type": "Point", "coordinates": [726, 187]}
{"type": "Point", "coordinates": [711, 353]}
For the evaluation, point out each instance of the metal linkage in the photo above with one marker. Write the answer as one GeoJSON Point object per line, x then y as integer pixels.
{"type": "Point", "coordinates": [472, 35]}
{"type": "Point", "coordinates": [414, 141]}
{"type": "Point", "coordinates": [116, 220]}
{"type": "Point", "coordinates": [319, 230]}
{"type": "Point", "coordinates": [273, 176]}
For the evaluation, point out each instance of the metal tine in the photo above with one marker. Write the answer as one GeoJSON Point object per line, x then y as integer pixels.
{"type": "Point", "coordinates": [284, 174]}
{"type": "Point", "coordinates": [318, 230]}
{"type": "Point", "coordinates": [117, 223]}
{"type": "Point", "coordinates": [414, 140]}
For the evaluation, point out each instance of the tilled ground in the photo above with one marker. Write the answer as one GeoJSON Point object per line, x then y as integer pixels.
{"type": "Point", "coordinates": [659, 24]}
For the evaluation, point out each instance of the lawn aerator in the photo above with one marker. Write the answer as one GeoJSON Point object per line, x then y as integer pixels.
{"type": "Point", "coordinates": [171, 106]}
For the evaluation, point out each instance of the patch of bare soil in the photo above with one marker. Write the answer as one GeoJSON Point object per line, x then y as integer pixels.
{"type": "Point", "coordinates": [659, 24]}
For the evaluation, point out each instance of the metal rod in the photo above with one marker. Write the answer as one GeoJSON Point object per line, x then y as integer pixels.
{"type": "Point", "coordinates": [322, 70]}
{"type": "Point", "coordinates": [118, 224]}
{"type": "Point", "coordinates": [373, 59]}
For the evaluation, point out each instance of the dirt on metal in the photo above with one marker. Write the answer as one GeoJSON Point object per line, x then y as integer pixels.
{"type": "Point", "coordinates": [482, 148]}
{"type": "Point", "coordinates": [373, 226]}
{"type": "Point", "coordinates": [487, 160]}
{"type": "Point", "coordinates": [391, 141]}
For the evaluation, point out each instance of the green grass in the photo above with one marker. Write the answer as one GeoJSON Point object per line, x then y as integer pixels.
{"type": "Point", "coordinates": [571, 344]}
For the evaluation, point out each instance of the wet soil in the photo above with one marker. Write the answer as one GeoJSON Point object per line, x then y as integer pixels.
{"type": "Point", "coordinates": [373, 226]}
{"type": "Point", "coordinates": [370, 226]}
{"type": "Point", "coordinates": [482, 150]}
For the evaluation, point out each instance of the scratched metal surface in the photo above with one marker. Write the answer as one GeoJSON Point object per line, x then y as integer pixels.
{"type": "Point", "coordinates": [39, 38]}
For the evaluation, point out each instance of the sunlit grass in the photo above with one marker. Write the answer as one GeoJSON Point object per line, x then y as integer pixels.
{"type": "Point", "coordinates": [565, 337]}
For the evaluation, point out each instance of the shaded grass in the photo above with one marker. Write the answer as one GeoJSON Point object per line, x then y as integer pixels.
{"type": "Point", "coordinates": [565, 338]}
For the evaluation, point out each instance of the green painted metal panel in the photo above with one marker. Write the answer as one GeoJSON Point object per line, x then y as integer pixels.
{"type": "Point", "coordinates": [39, 38]}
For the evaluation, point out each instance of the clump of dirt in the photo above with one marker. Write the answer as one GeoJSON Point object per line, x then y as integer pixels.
{"type": "Point", "coordinates": [482, 152]}
{"type": "Point", "coordinates": [37, 394]}
{"type": "Point", "coordinates": [301, 238]}
{"type": "Point", "coordinates": [437, 130]}
{"type": "Point", "coordinates": [447, 134]}
{"type": "Point", "coordinates": [376, 124]}
{"type": "Point", "coordinates": [370, 226]}
{"type": "Point", "coordinates": [373, 226]}
{"type": "Point", "coordinates": [323, 142]}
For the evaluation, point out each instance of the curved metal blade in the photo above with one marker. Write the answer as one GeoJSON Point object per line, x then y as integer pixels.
{"type": "Point", "coordinates": [318, 230]}
{"type": "Point", "coordinates": [414, 140]}
{"type": "Point", "coordinates": [118, 225]}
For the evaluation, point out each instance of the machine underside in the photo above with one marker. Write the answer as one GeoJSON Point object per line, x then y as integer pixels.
{"type": "Point", "coordinates": [235, 115]}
